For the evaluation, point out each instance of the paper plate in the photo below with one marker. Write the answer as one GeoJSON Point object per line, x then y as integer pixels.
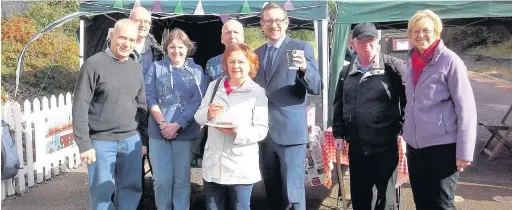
{"type": "Point", "coordinates": [212, 124]}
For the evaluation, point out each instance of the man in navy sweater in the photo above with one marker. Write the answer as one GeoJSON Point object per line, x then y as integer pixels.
{"type": "Point", "coordinates": [109, 106]}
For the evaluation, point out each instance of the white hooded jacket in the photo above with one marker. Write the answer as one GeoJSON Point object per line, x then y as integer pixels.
{"type": "Point", "coordinates": [230, 159]}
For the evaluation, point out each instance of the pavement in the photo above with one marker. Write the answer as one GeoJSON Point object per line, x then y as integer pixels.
{"type": "Point", "coordinates": [486, 185]}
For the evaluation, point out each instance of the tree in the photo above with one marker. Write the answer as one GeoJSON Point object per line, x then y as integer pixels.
{"type": "Point", "coordinates": [43, 13]}
{"type": "Point", "coordinates": [51, 62]}
{"type": "Point", "coordinates": [333, 12]}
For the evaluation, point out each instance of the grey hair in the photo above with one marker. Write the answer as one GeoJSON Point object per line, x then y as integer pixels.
{"type": "Point", "coordinates": [136, 8]}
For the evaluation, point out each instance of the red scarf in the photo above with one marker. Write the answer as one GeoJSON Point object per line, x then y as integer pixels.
{"type": "Point", "coordinates": [420, 61]}
{"type": "Point", "coordinates": [228, 87]}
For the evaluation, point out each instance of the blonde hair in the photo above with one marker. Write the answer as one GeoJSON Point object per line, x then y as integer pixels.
{"type": "Point", "coordinates": [420, 16]}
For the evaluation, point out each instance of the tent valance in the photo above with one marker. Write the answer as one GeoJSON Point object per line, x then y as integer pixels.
{"type": "Point", "coordinates": [358, 11]}
{"type": "Point", "coordinates": [299, 9]}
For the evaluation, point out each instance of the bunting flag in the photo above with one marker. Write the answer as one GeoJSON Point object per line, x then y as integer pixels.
{"type": "Point", "coordinates": [118, 4]}
{"type": "Point", "coordinates": [156, 7]}
{"type": "Point", "coordinates": [199, 9]}
{"type": "Point", "coordinates": [288, 5]}
{"type": "Point", "coordinates": [245, 8]}
{"type": "Point", "coordinates": [179, 8]}
{"type": "Point", "coordinates": [224, 17]}
{"type": "Point", "coordinates": [137, 4]}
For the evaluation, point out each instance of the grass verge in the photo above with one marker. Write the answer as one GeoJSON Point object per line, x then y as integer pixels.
{"type": "Point", "coordinates": [501, 50]}
{"type": "Point", "coordinates": [502, 72]}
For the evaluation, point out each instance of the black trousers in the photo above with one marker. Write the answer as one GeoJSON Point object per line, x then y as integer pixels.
{"type": "Point", "coordinates": [433, 176]}
{"type": "Point", "coordinates": [377, 170]}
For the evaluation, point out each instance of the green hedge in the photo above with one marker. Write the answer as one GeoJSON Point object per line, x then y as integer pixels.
{"type": "Point", "coordinates": [254, 37]}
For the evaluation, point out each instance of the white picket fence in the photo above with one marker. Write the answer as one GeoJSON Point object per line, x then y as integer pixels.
{"type": "Point", "coordinates": [42, 130]}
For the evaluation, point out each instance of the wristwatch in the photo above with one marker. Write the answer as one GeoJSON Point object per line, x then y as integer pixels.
{"type": "Point", "coordinates": [160, 123]}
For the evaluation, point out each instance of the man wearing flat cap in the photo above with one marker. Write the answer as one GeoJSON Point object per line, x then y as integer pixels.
{"type": "Point", "coordinates": [368, 114]}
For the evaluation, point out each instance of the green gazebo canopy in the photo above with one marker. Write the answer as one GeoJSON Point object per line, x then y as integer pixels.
{"type": "Point", "coordinates": [305, 10]}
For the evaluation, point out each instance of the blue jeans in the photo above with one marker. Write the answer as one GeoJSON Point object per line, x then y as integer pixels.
{"type": "Point", "coordinates": [114, 170]}
{"type": "Point", "coordinates": [224, 197]}
{"type": "Point", "coordinates": [170, 161]}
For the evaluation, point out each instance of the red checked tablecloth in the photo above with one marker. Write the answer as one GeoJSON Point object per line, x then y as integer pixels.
{"type": "Point", "coordinates": [329, 157]}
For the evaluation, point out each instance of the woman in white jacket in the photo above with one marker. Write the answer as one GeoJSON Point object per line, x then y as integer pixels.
{"type": "Point", "coordinates": [238, 120]}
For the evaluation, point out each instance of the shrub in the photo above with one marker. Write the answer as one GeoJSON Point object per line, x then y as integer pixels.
{"type": "Point", "coordinates": [40, 53]}
{"type": "Point", "coordinates": [54, 50]}
{"type": "Point", "coordinates": [17, 29]}
{"type": "Point", "coordinates": [304, 35]}
{"type": "Point", "coordinates": [43, 13]}
{"type": "Point", "coordinates": [498, 34]}
{"type": "Point", "coordinates": [254, 36]}
{"type": "Point", "coordinates": [15, 33]}
{"type": "Point", "coordinates": [463, 38]}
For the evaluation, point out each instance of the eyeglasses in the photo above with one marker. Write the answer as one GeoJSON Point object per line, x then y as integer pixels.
{"type": "Point", "coordinates": [145, 22]}
{"type": "Point", "coordinates": [422, 31]}
{"type": "Point", "coordinates": [269, 22]}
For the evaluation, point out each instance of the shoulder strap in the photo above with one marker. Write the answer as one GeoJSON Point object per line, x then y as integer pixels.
{"type": "Point", "coordinates": [387, 60]}
{"type": "Point", "coordinates": [344, 73]}
{"type": "Point", "coordinates": [215, 88]}
{"type": "Point", "coordinates": [389, 66]}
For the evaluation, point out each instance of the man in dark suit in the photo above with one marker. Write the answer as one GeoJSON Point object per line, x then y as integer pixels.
{"type": "Point", "coordinates": [283, 153]}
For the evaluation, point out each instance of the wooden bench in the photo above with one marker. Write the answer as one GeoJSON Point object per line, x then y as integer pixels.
{"type": "Point", "coordinates": [495, 128]}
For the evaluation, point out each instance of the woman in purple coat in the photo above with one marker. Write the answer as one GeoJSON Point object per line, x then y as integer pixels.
{"type": "Point", "coordinates": [440, 115]}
